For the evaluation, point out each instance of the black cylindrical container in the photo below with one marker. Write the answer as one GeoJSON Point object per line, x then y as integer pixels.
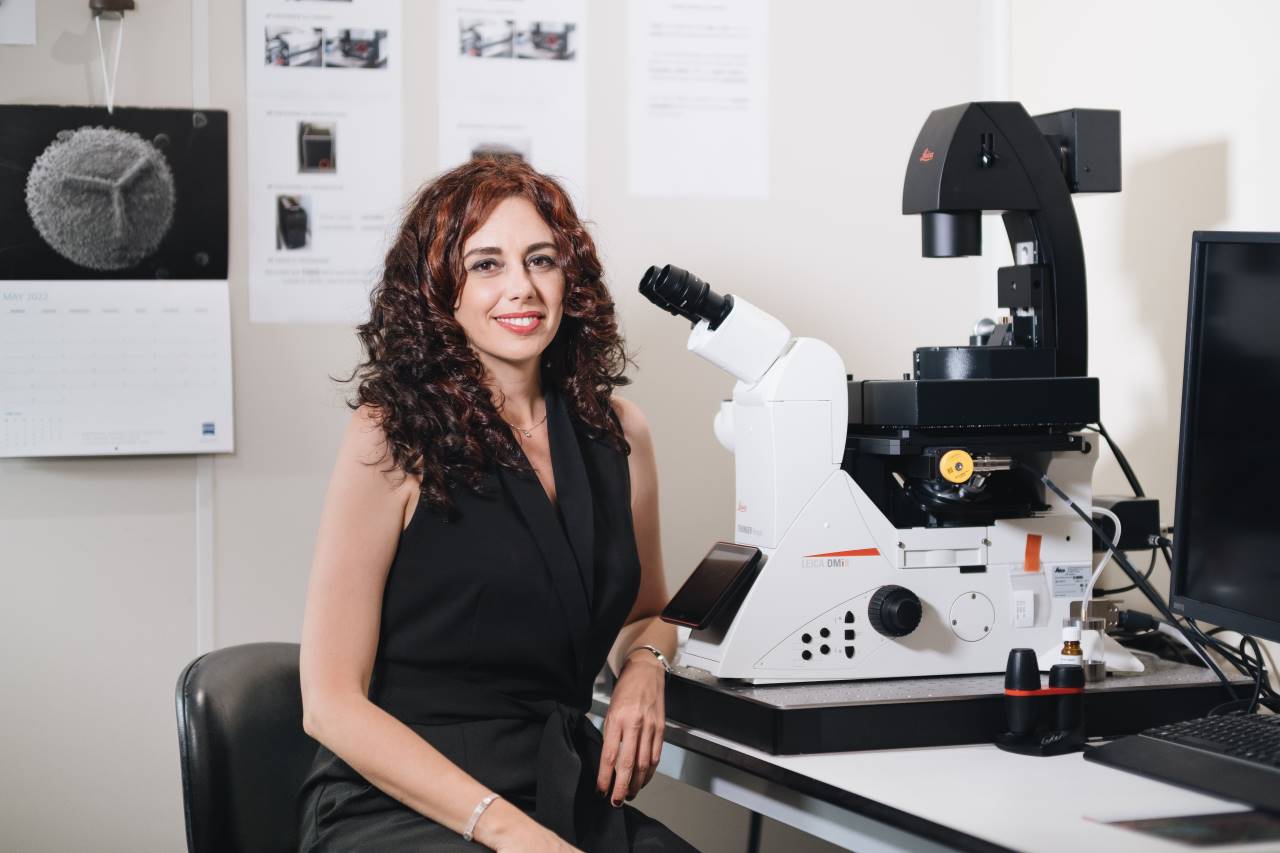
{"type": "Point", "coordinates": [1021, 674]}
{"type": "Point", "coordinates": [1069, 716]}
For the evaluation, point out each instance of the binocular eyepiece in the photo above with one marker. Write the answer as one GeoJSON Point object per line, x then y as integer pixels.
{"type": "Point", "coordinates": [685, 295]}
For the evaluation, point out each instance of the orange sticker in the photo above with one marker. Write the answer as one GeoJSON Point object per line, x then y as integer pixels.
{"type": "Point", "coordinates": [857, 552]}
{"type": "Point", "coordinates": [1031, 560]}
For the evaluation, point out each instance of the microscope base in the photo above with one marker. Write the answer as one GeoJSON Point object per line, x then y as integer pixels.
{"type": "Point", "coordinates": [787, 719]}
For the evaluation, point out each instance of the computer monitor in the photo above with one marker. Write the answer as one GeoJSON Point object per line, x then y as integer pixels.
{"type": "Point", "coordinates": [1226, 537]}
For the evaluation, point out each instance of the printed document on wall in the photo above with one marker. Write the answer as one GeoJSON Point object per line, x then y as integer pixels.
{"type": "Point", "coordinates": [513, 81]}
{"type": "Point", "coordinates": [699, 98]}
{"type": "Point", "coordinates": [325, 154]}
{"type": "Point", "coordinates": [104, 368]}
{"type": "Point", "coordinates": [17, 21]}
{"type": "Point", "coordinates": [115, 333]}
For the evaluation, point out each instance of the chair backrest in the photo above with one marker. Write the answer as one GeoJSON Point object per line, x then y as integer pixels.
{"type": "Point", "coordinates": [244, 753]}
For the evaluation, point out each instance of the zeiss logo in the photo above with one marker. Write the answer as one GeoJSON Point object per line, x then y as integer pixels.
{"type": "Point", "coordinates": [207, 428]}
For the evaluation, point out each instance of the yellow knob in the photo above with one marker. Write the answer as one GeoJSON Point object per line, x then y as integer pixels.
{"type": "Point", "coordinates": [956, 466]}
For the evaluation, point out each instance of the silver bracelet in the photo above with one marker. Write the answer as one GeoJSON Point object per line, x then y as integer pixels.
{"type": "Point", "coordinates": [475, 816]}
{"type": "Point", "coordinates": [657, 653]}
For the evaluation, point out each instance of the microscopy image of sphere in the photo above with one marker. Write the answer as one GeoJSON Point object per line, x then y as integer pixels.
{"type": "Point", "coordinates": [102, 198]}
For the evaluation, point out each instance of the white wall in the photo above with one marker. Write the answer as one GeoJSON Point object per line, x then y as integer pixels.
{"type": "Point", "coordinates": [1198, 88]}
{"type": "Point", "coordinates": [98, 611]}
{"type": "Point", "coordinates": [96, 555]}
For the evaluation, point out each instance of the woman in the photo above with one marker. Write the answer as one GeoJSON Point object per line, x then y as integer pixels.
{"type": "Point", "coordinates": [489, 535]}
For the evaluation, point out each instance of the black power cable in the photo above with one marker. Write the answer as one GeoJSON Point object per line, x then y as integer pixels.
{"type": "Point", "coordinates": [1151, 567]}
{"type": "Point", "coordinates": [1132, 477]}
{"type": "Point", "coordinates": [1238, 657]}
{"type": "Point", "coordinates": [1121, 459]}
{"type": "Point", "coordinates": [1136, 577]}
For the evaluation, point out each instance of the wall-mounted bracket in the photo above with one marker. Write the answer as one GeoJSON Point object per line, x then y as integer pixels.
{"type": "Point", "coordinates": [113, 8]}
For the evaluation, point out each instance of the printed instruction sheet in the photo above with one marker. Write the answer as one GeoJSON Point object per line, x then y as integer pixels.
{"type": "Point", "coordinates": [699, 98]}
{"type": "Point", "coordinates": [325, 154]}
{"type": "Point", "coordinates": [17, 21]}
{"type": "Point", "coordinates": [513, 81]}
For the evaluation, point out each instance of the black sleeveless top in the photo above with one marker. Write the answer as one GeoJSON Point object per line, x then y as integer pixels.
{"type": "Point", "coordinates": [494, 626]}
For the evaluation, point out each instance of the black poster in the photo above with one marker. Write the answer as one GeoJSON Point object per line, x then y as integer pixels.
{"type": "Point", "coordinates": [134, 194]}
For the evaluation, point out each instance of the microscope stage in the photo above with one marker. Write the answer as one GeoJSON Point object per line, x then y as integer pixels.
{"type": "Point", "coordinates": [1067, 401]}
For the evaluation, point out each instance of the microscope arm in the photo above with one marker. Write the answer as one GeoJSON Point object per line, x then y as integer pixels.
{"type": "Point", "coordinates": [789, 418]}
{"type": "Point", "coordinates": [773, 367]}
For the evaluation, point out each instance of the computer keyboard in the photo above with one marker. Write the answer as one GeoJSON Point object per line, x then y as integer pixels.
{"type": "Point", "coordinates": [1251, 737]}
{"type": "Point", "coordinates": [1235, 756]}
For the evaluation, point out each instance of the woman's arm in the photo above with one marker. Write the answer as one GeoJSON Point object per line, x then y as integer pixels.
{"type": "Point", "coordinates": [360, 527]}
{"type": "Point", "coordinates": [634, 725]}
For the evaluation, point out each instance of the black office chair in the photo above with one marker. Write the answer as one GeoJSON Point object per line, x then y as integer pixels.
{"type": "Point", "coordinates": [244, 753]}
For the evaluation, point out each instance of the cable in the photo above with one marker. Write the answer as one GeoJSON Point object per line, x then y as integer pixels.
{"type": "Point", "coordinates": [1132, 477]}
{"type": "Point", "coordinates": [1121, 459]}
{"type": "Point", "coordinates": [1168, 630]}
{"type": "Point", "coordinates": [1151, 567]}
{"type": "Point", "coordinates": [1134, 575]}
{"type": "Point", "coordinates": [1106, 558]}
{"type": "Point", "coordinates": [1190, 633]}
{"type": "Point", "coordinates": [1200, 642]}
{"type": "Point", "coordinates": [1262, 670]}
{"type": "Point", "coordinates": [1233, 655]}
{"type": "Point", "coordinates": [1238, 657]}
{"type": "Point", "coordinates": [1263, 692]}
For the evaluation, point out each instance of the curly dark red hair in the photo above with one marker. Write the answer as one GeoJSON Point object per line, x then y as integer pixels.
{"type": "Point", "coordinates": [423, 381]}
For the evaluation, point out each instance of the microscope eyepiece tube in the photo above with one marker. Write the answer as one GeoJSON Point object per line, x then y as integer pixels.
{"type": "Point", "coordinates": [732, 334]}
{"type": "Point", "coordinates": [685, 295]}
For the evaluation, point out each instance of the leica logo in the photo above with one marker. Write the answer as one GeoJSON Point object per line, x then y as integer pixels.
{"type": "Point", "coordinates": [926, 156]}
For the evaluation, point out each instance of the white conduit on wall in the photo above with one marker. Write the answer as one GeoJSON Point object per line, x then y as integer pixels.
{"type": "Point", "coordinates": [205, 588]}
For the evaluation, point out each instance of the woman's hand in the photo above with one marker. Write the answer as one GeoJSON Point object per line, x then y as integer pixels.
{"type": "Point", "coordinates": [537, 839]}
{"type": "Point", "coordinates": [633, 728]}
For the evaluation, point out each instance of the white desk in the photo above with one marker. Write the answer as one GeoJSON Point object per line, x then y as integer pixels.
{"type": "Point", "coordinates": [942, 798]}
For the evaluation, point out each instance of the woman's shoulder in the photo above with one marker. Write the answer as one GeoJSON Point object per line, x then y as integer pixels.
{"type": "Point", "coordinates": [366, 438]}
{"type": "Point", "coordinates": [372, 472]}
{"type": "Point", "coordinates": [365, 445]}
{"type": "Point", "coordinates": [635, 426]}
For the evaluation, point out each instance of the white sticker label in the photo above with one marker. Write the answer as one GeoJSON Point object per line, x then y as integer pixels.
{"type": "Point", "coordinates": [1069, 581]}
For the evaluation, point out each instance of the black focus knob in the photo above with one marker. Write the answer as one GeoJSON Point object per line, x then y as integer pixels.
{"type": "Point", "coordinates": [894, 611]}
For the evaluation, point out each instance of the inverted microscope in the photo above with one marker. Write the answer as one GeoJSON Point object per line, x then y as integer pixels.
{"type": "Point", "coordinates": [899, 528]}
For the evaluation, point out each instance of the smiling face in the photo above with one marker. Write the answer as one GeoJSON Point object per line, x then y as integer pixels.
{"type": "Point", "coordinates": [511, 299]}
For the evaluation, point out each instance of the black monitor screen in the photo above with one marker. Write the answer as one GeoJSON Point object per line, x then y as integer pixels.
{"type": "Point", "coordinates": [1227, 528]}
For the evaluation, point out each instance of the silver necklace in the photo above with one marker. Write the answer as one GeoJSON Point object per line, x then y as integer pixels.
{"type": "Point", "coordinates": [528, 433]}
